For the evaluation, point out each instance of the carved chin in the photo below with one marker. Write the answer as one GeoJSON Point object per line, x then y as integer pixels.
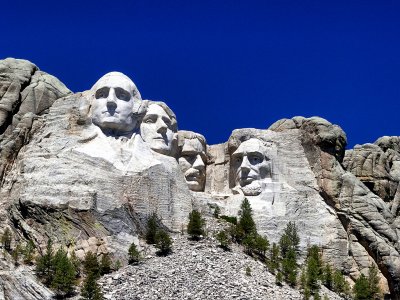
{"type": "Point", "coordinates": [252, 189]}
{"type": "Point", "coordinates": [195, 186]}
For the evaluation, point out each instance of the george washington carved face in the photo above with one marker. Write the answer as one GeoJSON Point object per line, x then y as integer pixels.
{"type": "Point", "coordinates": [115, 96]}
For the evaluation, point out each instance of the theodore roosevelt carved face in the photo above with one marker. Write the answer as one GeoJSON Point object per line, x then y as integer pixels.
{"type": "Point", "coordinates": [251, 166]}
{"type": "Point", "coordinates": [192, 159]}
{"type": "Point", "coordinates": [115, 96]}
{"type": "Point", "coordinates": [158, 128]}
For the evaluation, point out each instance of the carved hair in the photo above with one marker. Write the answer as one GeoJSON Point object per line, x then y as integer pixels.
{"type": "Point", "coordinates": [190, 135]}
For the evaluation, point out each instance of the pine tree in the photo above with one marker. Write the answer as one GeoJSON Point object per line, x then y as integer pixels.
{"type": "Point", "coordinates": [151, 231]}
{"type": "Point", "coordinates": [64, 274]}
{"type": "Point", "coordinates": [91, 290]}
{"type": "Point", "coordinates": [44, 264]}
{"type": "Point", "coordinates": [339, 283]}
{"type": "Point", "coordinates": [373, 282]}
{"type": "Point", "coordinates": [289, 239]}
{"type": "Point", "coordinates": [223, 239]}
{"type": "Point", "coordinates": [91, 265]}
{"type": "Point", "coordinates": [105, 264]}
{"type": "Point", "coordinates": [163, 242]}
{"type": "Point", "coordinates": [246, 222]}
{"type": "Point", "coordinates": [16, 254]}
{"type": "Point", "coordinates": [77, 263]}
{"type": "Point", "coordinates": [289, 267]}
{"type": "Point", "coordinates": [274, 258]}
{"type": "Point", "coordinates": [28, 252]}
{"type": "Point", "coordinates": [134, 255]}
{"type": "Point", "coordinates": [261, 245]}
{"type": "Point", "coordinates": [328, 277]}
{"type": "Point", "coordinates": [288, 243]}
{"type": "Point", "coordinates": [314, 265]}
{"type": "Point", "coordinates": [6, 239]}
{"type": "Point", "coordinates": [361, 288]}
{"type": "Point", "coordinates": [196, 225]}
{"type": "Point", "coordinates": [278, 278]}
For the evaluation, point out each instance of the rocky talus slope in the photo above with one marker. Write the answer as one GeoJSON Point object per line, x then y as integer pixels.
{"type": "Point", "coordinates": [198, 270]}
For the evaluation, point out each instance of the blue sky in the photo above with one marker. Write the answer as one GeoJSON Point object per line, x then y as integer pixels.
{"type": "Point", "coordinates": [222, 65]}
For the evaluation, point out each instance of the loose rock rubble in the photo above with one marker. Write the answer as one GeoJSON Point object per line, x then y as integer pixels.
{"type": "Point", "coordinates": [197, 270]}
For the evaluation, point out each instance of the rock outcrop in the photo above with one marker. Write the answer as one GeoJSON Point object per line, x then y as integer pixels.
{"type": "Point", "coordinates": [87, 169]}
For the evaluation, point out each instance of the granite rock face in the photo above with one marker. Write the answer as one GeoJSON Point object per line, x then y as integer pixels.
{"type": "Point", "coordinates": [88, 169]}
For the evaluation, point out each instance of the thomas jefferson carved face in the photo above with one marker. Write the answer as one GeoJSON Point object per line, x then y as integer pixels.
{"type": "Point", "coordinates": [113, 106]}
{"type": "Point", "coordinates": [158, 129]}
{"type": "Point", "coordinates": [192, 162]}
{"type": "Point", "coordinates": [251, 166]}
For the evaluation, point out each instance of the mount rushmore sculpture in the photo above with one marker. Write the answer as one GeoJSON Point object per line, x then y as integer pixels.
{"type": "Point", "coordinates": [88, 169]}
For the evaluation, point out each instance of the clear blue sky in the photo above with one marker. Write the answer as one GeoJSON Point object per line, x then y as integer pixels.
{"type": "Point", "coordinates": [222, 65]}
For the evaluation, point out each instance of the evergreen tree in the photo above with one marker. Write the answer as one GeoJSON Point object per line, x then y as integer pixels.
{"type": "Point", "coordinates": [289, 267]}
{"type": "Point", "coordinates": [77, 264]}
{"type": "Point", "coordinates": [196, 225]}
{"type": "Point", "coordinates": [63, 281]}
{"type": "Point", "coordinates": [44, 265]}
{"type": "Point", "coordinates": [91, 290]}
{"type": "Point", "coordinates": [373, 282]}
{"type": "Point", "coordinates": [328, 277]}
{"type": "Point", "coordinates": [339, 283]}
{"type": "Point", "coordinates": [314, 266]}
{"type": "Point", "coordinates": [278, 278]}
{"type": "Point", "coordinates": [317, 296]}
{"type": "Point", "coordinates": [152, 227]}
{"type": "Point", "coordinates": [133, 253]}
{"type": "Point", "coordinates": [303, 279]}
{"type": "Point", "coordinates": [28, 252]}
{"type": "Point", "coordinates": [246, 222]}
{"type": "Point", "coordinates": [6, 239]}
{"type": "Point", "coordinates": [274, 258]}
{"type": "Point", "coordinates": [117, 265]}
{"type": "Point", "coordinates": [289, 239]}
{"type": "Point", "coordinates": [361, 289]}
{"type": "Point", "coordinates": [105, 264]}
{"type": "Point", "coordinates": [261, 245]}
{"type": "Point", "coordinates": [163, 242]}
{"type": "Point", "coordinates": [16, 254]}
{"type": "Point", "coordinates": [91, 265]}
{"type": "Point", "coordinates": [223, 239]}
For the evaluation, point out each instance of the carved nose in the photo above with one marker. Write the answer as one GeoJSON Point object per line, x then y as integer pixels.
{"type": "Point", "coordinates": [245, 164]}
{"type": "Point", "coordinates": [111, 99]}
{"type": "Point", "coordinates": [198, 163]}
{"type": "Point", "coordinates": [161, 126]}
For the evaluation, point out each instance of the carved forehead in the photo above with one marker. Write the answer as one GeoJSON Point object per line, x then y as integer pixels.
{"type": "Point", "coordinates": [117, 79]}
{"type": "Point", "coordinates": [155, 109]}
{"type": "Point", "coordinates": [251, 145]}
{"type": "Point", "coordinates": [193, 146]}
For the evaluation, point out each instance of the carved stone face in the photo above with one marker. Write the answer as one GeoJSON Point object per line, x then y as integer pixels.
{"type": "Point", "coordinates": [251, 166]}
{"type": "Point", "coordinates": [112, 108]}
{"type": "Point", "coordinates": [157, 130]}
{"type": "Point", "coordinates": [192, 162]}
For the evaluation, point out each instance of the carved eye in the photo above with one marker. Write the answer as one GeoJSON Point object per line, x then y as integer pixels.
{"type": "Point", "coordinates": [167, 122]}
{"type": "Point", "coordinates": [189, 158]}
{"type": "Point", "coordinates": [102, 93]}
{"type": "Point", "coordinates": [255, 159]}
{"type": "Point", "coordinates": [122, 94]}
{"type": "Point", "coordinates": [149, 120]}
